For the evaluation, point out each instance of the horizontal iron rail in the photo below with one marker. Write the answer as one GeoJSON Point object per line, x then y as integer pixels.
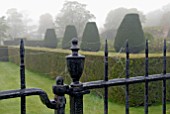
{"type": "Point", "coordinates": [123, 81]}
{"type": "Point", "coordinates": [28, 92]}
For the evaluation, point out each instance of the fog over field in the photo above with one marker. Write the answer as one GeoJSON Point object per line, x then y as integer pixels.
{"type": "Point", "coordinates": [100, 8]}
{"type": "Point", "coordinates": [31, 18]}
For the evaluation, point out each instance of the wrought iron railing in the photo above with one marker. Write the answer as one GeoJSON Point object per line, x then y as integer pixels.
{"type": "Point", "coordinates": [76, 90]}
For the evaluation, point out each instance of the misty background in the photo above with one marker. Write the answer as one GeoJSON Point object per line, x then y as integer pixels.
{"type": "Point", "coordinates": [29, 19]}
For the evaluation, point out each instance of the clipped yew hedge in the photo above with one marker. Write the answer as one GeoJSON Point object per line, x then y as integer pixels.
{"type": "Point", "coordinates": [4, 53]}
{"type": "Point", "coordinates": [69, 34]}
{"type": "Point", "coordinates": [91, 38]}
{"type": "Point", "coordinates": [53, 63]}
{"type": "Point", "coordinates": [130, 30]}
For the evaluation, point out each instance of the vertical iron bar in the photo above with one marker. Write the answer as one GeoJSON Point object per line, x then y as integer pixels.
{"type": "Point", "coordinates": [164, 80]}
{"type": "Point", "coordinates": [22, 77]}
{"type": "Point", "coordinates": [146, 75]}
{"type": "Point", "coordinates": [106, 78]}
{"type": "Point", "coordinates": [127, 76]}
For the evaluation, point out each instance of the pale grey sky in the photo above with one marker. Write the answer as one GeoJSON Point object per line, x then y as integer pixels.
{"type": "Point", "coordinates": [99, 8]}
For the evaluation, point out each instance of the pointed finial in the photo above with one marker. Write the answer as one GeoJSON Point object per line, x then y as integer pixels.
{"type": "Point", "coordinates": [146, 49]}
{"type": "Point", "coordinates": [164, 45]}
{"type": "Point", "coordinates": [21, 43]}
{"type": "Point", "coordinates": [74, 47]}
{"type": "Point", "coordinates": [127, 47]}
{"type": "Point", "coordinates": [75, 62]}
{"type": "Point", "coordinates": [22, 49]}
{"type": "Point", "coordinates": [106, 48]}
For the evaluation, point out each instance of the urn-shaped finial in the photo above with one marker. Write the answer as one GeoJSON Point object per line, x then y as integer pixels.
{"type": "Point", "coordinates": [75, 62]}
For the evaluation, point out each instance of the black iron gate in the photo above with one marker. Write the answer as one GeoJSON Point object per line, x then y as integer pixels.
{"type": "Point", "coordinates": [76, 90]}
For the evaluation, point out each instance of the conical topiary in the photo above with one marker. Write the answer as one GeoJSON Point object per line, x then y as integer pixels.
{"type": "Point", "coordinates": [69, 34]}
{"type": "Point", "coordinates": [50, 39]}
{"type": "Point", "coordinates": [91, 38]}
{"type": "Point", "coordinates": [131, 30]}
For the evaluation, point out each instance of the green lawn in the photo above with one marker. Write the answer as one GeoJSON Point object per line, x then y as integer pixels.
{"type": "Point", "coordinates": [9, 79]}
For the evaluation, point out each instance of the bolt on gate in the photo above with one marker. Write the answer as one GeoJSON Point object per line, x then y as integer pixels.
{"type": "Point", "coordinates": [76, 90]}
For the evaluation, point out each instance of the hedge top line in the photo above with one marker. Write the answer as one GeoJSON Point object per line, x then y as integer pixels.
{"type": "Point", "coordinates": [100, 53]}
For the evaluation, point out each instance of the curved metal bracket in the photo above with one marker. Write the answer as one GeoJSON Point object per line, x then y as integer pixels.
{"type": "Point", "coordinates": [29, 92]}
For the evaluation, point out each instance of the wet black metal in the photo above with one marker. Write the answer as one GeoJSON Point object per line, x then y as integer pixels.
{"type": "Point", "coordinates": [22, 77]}
{"type": "Point", "coordinates": [127, 76]}
{"type": "Point", "coordinates": [76, 102]}
{"type": "Point", "coordinates": [75, 62]}
{"type": "Point", "coordinates": [106, 78]}
{"type": "Point", "coordinates": [146, 75]}
{"type": "Point", "coordinates": [123, 81]}
{"type": "Point", "coordinates": [164, 80]}
{"type": "Point", "coordinates": [28, 92]}
{"type": "Point", "coordinates": [75, 65]}
{"type": "Point", "coordinates": [58, 103]}
{"type": "Point", "coordinates": [59, 90]}
{"type": "Point", "coordinates": [76, 90]}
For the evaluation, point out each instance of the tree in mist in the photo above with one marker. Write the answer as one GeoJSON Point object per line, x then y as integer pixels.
{"type": "Point", "coordinates": [166, 16]}
{"type": "Point", "coordinates": [131, 30]}
{"type": "Point", "coordinates": [15, 23]}
{"type": "Point", "coordinates": [166, 8]}
{"type": "Point", "coordinates": [69, 34]}
{"type": "Point", "coordinates": [73, 13]}
{"type": "Point", "coordinates": [168, 36]}
{"type": "Point", "coordinates": [153, 18]}
{"type": "Point", "coordinates": [29, 27]}
{"type": "Point", "coordinates": [165, 21]}
{"type": "Point", "coordinates": [158, 17]}
{"type": "Point", "coordinates": [3, 28]}
{"type": "Point", "coordinates": [45, 22]}
{"type": "Point", "coordinates": [115, 17]}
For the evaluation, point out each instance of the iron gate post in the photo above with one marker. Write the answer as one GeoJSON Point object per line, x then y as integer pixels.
{"type": "Point", "coordinates": [76, 100]}
{"type": "Point", "coordinates": [75, 65]}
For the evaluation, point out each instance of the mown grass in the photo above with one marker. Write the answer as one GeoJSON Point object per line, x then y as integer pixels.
{"type": "Point", "coordinates": [9, 79]}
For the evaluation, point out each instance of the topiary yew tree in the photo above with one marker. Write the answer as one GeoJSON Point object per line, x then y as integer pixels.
{"type": "Point", "coordinates": [69, 34]}
{"type": "Point", "coordinates": [91, 38]}
{"type": "Point", "coordinates": [50, 39]}
{"type": "Point", "coordinates": [131, 30]}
